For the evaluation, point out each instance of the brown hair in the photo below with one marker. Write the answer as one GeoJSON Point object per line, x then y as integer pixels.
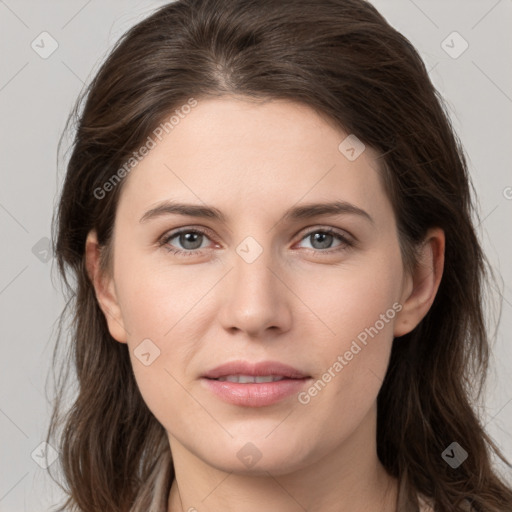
{"type": "Point", "coordinates": [343, 59]}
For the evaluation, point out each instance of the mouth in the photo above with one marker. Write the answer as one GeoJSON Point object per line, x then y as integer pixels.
{"type": "Point", "coordinates": [254, 384]}
{"type": "Point", "coordinates": [247, 372]}
{"type": "Point", "coordinates": [250, 379]}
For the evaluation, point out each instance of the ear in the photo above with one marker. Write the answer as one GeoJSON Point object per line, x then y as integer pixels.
{"type": "Point", "coordinates": [104, 288]}
{"type": "Point", "coordinates": [420, 287]}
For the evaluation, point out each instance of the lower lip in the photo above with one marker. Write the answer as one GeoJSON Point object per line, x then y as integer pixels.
{"type": "Point", "coordinates": [255, 394]}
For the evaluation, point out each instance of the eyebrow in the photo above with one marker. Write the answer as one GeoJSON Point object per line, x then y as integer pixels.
{"type": "Point", "coordinates": [305, 211]}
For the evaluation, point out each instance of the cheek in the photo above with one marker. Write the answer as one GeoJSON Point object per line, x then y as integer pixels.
{"type": "Point", "coordinates": [162, 310]}
{"type": "Point", "coordinates": [336, 310]}
{"type": "Point", "coordinates": [357, 308]}
{"type": "Point", "coordinates": [346, 300]}
{"type": "Point", "coordinates": [155, 297]}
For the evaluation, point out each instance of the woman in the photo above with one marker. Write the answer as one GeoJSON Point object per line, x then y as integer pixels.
{"type": "Point", "coordinates": [278, 296]}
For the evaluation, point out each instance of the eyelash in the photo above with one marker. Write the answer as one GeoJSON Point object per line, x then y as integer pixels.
{"type": "Point", "coordinates": [164, 241]}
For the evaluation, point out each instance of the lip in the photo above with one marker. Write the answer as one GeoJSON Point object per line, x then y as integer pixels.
{"type": "Point", "coordinates": [255, 369]}
{"type": "Point", "coordinates": [254, 394]}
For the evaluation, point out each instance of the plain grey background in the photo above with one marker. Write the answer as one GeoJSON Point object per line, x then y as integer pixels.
{"type": "Point", "coordinates": [38, 90]}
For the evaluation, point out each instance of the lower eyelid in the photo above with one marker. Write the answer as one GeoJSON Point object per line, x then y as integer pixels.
{"type": "Point", "coordinates": [344, 240]}
{"type": "Point", "coordinates": [165, 240]}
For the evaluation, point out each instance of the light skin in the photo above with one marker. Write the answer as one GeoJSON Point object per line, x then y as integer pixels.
{"type": "Point", "coordinates": [302, 302]}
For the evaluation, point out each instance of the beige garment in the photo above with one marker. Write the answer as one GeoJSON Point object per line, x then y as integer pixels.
{"type": "Point", "coordinates": [425, 505]}
{"type": "Point", "coordinates": [156, 499]}
{"type": "Point", "coordinates": [162, 486]}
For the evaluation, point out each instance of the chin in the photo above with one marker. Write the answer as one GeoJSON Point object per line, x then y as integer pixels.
{"type": "Point", "coordinates": [258, 457]}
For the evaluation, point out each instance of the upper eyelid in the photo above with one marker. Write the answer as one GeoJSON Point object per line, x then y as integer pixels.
{"type": "Point", "coordinates": [178, 231]}
{"type": "Point", "coordinates": [344, 235]}
{"type": "Point", "coordinates": [302, 233]}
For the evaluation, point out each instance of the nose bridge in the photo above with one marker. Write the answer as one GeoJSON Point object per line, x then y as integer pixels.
{"type": "Point", "coordinates": [251, 272]}
{"type": "Point", "coordinates": [256, 298]}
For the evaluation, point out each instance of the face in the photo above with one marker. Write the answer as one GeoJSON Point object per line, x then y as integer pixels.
{"type": "Point", "coordinates": [270, 279]}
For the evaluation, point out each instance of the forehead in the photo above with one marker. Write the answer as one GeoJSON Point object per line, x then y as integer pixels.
{"type": "Point", "coordinates": [253, 156]}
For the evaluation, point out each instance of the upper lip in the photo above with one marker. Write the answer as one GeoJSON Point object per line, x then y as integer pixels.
{"type": "Point", "coordinates": [255, 369]}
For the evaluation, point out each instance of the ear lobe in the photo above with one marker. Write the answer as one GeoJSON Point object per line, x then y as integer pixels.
{"type": "Point", "coordinates": [104, 289]}
{"type": "Point", "coordinates": [425, 278]}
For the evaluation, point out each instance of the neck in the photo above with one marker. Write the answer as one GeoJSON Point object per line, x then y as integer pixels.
{"type": "Point", "coordinates": [349, 478]}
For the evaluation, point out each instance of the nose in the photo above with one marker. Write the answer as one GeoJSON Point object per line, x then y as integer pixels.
{"type": "Point", "coordinates": [257, 299]}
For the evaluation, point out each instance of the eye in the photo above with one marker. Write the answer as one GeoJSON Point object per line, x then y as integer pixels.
{"type": "Point", "coordinates": [191, 241]}
{"type": "Point", "coordinates": [322, 239]}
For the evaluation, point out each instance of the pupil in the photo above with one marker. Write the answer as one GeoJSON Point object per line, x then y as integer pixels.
{"type": "Point", "coordinates": [190, 238]}
{"type": "Point", "coordinates": [325, 239]}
